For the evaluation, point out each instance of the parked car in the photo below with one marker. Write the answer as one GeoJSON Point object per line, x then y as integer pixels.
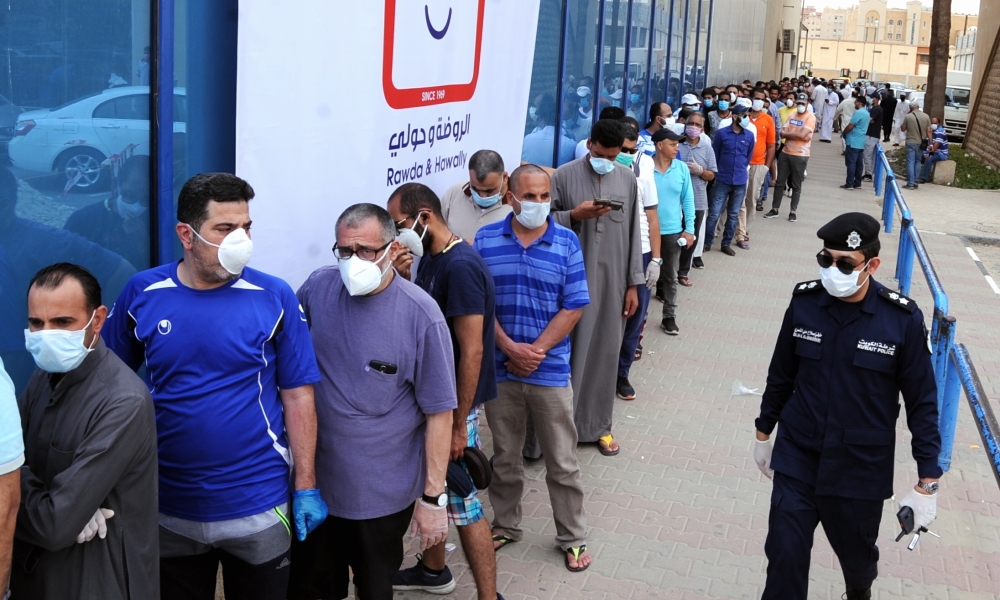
{"type": "Point", "coordinates": [78, 137]}
{"type": "Point", "coordinates": [8, 118]}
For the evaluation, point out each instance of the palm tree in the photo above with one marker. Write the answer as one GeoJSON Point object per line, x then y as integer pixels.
{"type": "Point", "coordinates": [937, 70]}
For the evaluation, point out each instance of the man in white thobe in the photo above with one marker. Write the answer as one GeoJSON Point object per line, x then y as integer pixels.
{"type": "Point", "coordinates": [902, 109]}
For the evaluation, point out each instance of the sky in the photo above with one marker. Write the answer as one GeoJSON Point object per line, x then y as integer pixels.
{"type": "Point", "coordinates": [957, 6]}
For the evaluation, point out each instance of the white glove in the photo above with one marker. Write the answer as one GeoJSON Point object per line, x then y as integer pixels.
{"type": "Point", "coordinates": [924, 507]}
{"type": "Point", "coordinates": [430, 523]}
{"type": "Point", "coordinates": [695, 168]}
{"type": "Point", "coordinates": [652, 274]}
{"type": "Point", "coordinates": [97, 526]}
{"type": "Point", "coordinates": [762, 456]}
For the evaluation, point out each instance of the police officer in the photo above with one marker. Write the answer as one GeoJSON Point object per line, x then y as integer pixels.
{"type": "Point", "coordinates": [847, 347]}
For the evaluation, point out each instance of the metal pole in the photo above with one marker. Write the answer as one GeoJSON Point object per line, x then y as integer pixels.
{"type": "Point", "coordinates": [889, 206]}
{"type": "Point", "coordinates": [904, 260]}
{"type": "Point", "coordinates": [986, 422]}
{"type": "Point", "coordinates": [161, 132]}
{"type": "Point", "coordinates": [948, 411]}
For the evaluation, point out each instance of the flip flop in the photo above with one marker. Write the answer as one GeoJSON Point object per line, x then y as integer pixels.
{"type": "Point", "coordinates": [576, 551]}
{"type": "Point", "coordinates": [607, 439]}
{"type": "Point", "coordinates": [638, 351]}
{"type": "Point", "coordinates": [504, 540]}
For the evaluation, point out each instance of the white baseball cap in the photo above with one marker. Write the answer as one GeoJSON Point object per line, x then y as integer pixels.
{"type": "Point", "coordinates": [690, 100]}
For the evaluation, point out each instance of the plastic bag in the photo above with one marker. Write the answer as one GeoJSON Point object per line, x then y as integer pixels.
{"type": "Point", "coordinates": [739, 389]}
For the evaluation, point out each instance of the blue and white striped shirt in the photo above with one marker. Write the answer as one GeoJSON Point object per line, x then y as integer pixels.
{"type": "Point", "coordinates": [532, 285]}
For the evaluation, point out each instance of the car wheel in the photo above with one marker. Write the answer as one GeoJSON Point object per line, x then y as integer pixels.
{"type": "Point", "coordinates": [87, 163]}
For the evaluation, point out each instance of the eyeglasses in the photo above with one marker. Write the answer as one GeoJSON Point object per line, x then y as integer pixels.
{"type": "Point", "coordinates": [629, 150]}
{"type": "Point", "coordinates": [344, 253]}
{"type": "Point", "coordinates": [843, 265]}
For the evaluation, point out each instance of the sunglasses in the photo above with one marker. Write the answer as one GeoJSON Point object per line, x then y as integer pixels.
{"type": "Point", "coordinates": [843, 265]}
{"type": "Point", "coordinates": [630, 150]}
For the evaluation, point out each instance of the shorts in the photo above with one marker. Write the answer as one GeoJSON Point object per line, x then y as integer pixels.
{"type": "Point", "coordinates": [466, 511]}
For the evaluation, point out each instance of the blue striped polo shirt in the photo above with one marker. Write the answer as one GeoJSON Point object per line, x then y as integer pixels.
{"type": "Point", "coordinates": [532, 285]}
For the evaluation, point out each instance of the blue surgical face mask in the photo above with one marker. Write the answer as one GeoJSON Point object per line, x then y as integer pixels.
{"type": "Point", "coordinates": [58, 350]}
{"type": "Point", "coordinates": [533, 214]}
{"type": "Point", "coordinates": [602, 166]}
{"type": "Point", "coordinates": [585, 103]}
{"type": "Point", "coordinates": [723, 105]}
{"type": "Point", "coordinates": [486, 202]}
{"type": "Point", "coordinates": [709, 103]}
{"type": "Point", "coordinates": [744, 122]}
{"type": "Point", "coordinates": [625, 159]}
{"type": "Point", "coordinates": [634, 98]}
{"type": "Point", "coordinates": [127, 210]}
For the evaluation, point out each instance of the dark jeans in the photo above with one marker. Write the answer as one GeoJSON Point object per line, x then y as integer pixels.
{"type": "Point", "coordinates": [913, 155]}
{"type": "Point", "coordinates": [194, 577]}
{"type": "Point", "coordinates": [855, 159]}
{"type": "Point", "coordinates": [633, 326]}
{"type": "Point", "coordinates": [791, 172]}
{"type": "Point", "coordinates": [726, 197]}
{"type": "Point", "coordinates": [851, 526]}
{"type": "Point", "coordinates": [688, 252]}
{"type": "Point", "coordinates": [371, 548]}
{"type": "Point", "coordinates": [671, 254]}
{"type": "Point", "coordinates": [929, 161]}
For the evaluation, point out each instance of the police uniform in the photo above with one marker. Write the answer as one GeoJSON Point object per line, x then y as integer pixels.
{"type": "Point", "coordinates": [834, 384]}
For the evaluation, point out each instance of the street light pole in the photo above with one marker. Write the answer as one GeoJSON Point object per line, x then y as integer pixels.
{"type": "Point", "coordinates": [874, 44]}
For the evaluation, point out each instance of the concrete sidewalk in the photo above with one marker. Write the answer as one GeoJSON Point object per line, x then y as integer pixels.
{"type": "Point", "coordinates": [682, 511]}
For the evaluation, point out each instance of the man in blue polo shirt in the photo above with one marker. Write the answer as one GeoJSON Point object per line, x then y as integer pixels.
{"type": "Point", "coordinates": [936, 152]}
{"type": "Point", "coordinates": [854, 137]}
{"type": "Point", "coordinates": [541, 289]}
{"type": "Point", "coordinates": [676, 211]}
{"type": "Point", "coordinates": [231, 366]}
{"type": "Point", "coordinates": [734, 147]}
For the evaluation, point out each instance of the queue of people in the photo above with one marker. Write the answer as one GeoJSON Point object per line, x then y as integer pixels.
{"type": "Point", "coordinates": [293, 437]}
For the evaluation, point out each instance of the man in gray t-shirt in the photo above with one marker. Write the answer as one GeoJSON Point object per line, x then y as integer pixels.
{"type": "Point", "coordinates": [384, 410]}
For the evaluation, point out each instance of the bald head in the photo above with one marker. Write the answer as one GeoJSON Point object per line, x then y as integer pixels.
{"type": "Point", "coordinates": [527, 173]}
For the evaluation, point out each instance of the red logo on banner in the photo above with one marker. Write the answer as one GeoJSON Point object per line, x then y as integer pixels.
{"type": "Point", "coordinates": [437, 27]}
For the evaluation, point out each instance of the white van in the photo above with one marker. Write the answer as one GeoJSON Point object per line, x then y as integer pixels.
{"type": "Point", "coordinates": [956, 103]}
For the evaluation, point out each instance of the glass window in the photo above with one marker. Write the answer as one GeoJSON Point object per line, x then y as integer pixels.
{"type": "Point", "coordinates": [693, 80]}
{"type": "Point", "coordinates": [638, 61]}
{"type": "Point", "coordinates": [661, 23]}
{"type": "Point", "coordinates": [542, 123]}
{"type": "Point", "coordinates": [580, 73]}
{"type": "Point", "coordinates": [703, 39]}
{"type": "Point", "coordinates": [675, 52]}
{"type": "Point", "coordinates": [77, 188]}
{"type": "Point", "coordinates": [614, 91]}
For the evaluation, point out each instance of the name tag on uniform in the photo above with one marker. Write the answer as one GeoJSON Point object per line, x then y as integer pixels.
{"type": "Point", "coordinates": [877, 347]}
{"type": "Point", "coordinates": [809, 336]}
{"type": "Point", "coordinates": [796, 122]}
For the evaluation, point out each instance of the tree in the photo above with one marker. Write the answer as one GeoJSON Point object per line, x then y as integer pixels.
{"type": "Point", "coordinates": [937, 70]}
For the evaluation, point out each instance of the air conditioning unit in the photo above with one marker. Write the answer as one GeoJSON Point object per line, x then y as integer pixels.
{"type": "Point", "coordinates": [787, 40]}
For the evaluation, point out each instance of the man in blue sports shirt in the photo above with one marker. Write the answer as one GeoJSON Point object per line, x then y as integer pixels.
{"type": "Point", "coordinates": [231, 367]}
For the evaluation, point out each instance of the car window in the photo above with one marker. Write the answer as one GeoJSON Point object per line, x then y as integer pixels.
{"type": "Point", "coordinates": [957, 96]}
{"type": "Point", "coordinates": [135, 106]}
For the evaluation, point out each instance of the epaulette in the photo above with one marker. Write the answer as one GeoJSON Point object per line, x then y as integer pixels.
{"type": "Point", "coordinates": [807, 286]}
{"type": "Point", "coordinates": [898, 299]}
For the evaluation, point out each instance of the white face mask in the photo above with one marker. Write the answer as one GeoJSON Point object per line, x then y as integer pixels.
{"type": "Point", "coordinates": [234, 251]}
{"type": "Point", "coordinates": [840, 285]}
{"type": "Point", "coordinates": [58, 350]}
{"type": "Point", "coordinates": [409, 238]}
{"type": "Point", "coordinates": [362, 277]}
{"type": "Point", "coordinates": [533, 214]}
{"type": "Point", "coordinates": [801, 108]}
{"type": "Point", "coordinates": [757, 105]}
{"type": "Point", "coordinates": [129, 211]}
{"type": "Point", "coordinates": [789, 103]}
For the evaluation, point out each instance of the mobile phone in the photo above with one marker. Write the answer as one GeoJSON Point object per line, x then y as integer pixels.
{"type": "Point", "coordinates": [603, 201]}
{"type": "Point", "coordinates": [383, 367]}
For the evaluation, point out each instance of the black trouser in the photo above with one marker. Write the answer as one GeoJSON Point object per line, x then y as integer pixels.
{"type": "Point", "coordinates": [886, 127]}
{"type": "Point", "coordinates": [194, 577]}
{"type": "Point", "coordinates": [371, 548]}
{"type": "Point", "coordinates": [791, 172]}
{"type": "Point", "coordinates": [688, 252]}
{"type": "Point", "coordinates": [851, 526]}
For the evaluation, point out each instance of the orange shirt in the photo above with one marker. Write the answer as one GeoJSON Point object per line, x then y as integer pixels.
{"type": "Point", "coordinates": [765, 135]}
{"type": "Point", "coordinates": [805, 122]}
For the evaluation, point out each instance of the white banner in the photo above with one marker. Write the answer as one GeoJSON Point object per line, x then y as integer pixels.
{"type": "Point", "coordinates": [342, 102]}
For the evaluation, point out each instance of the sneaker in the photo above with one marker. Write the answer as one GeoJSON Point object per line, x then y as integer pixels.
{"type": "Point", "coordinates": [669, 324]}
{"type": "Point", "coordinates": [909, 187]}
{"type": "Point", "coordinates": [771, 214]}
{"type": "Point", "coordinates": [791, 217]}
{"type": "Point", "coordinates": [857, 187]}
{"type": "Point", "coordinates": [624, 389]}
{"type": "Point", "coordinates": [867, 177]}
{"type": "Point", "coordinates": [698, 263]}
{"type": "Point", "coordinates": [728, 251]}
{"type": "Point", "coordinates": [417, 578]}
{"type": "Point", "coordinates": [760, 206]}
{"type": "Point", "coordinates": [847, 187]}
{"type": "Point", "coordinates": [743, 245]}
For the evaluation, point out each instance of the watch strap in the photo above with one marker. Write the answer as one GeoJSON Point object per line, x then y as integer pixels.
{"type": "Point", "coordinates": [929, 487]}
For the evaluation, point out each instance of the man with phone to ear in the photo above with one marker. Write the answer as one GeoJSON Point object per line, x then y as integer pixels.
{"type": "Point", "coordinates": [455, 276]}
{"type": "Point", "coordinates": [847, 348]}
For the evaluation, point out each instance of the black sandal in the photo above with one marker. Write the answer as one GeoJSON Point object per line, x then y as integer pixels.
{"type": "Point", "coordinates": [504, 540]}
{"type": "Point", "coordinates": [576, 551]}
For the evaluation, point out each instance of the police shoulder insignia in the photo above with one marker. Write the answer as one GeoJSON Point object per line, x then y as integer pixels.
{"type": "Point", "coordinates": [897, 299]}
{"type": "Point", "coordinates": [807, 286]}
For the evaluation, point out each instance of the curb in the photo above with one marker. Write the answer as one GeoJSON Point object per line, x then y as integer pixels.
{"type": "Point", "coordinates": [982, 268]}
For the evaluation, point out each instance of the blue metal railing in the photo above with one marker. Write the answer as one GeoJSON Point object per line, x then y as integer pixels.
{"type": "Point", "coordinates": [953, 368]}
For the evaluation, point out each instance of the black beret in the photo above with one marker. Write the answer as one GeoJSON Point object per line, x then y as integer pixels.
{"type": "Point", "coordinates": [666, 133]}
{"type": "Point", "coordinates": [849, 232]}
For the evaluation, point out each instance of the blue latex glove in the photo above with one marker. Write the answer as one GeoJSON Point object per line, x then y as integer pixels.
{"type": "Point", "coordinates": [309, 511]}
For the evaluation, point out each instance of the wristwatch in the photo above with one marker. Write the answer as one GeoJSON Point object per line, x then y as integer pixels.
{"type": "Point", "coordinates": [658, 261]}
{"type": "Point", "coordinates": [930, 488]}
{"type": "Point", "coordinates": [439, 501]}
